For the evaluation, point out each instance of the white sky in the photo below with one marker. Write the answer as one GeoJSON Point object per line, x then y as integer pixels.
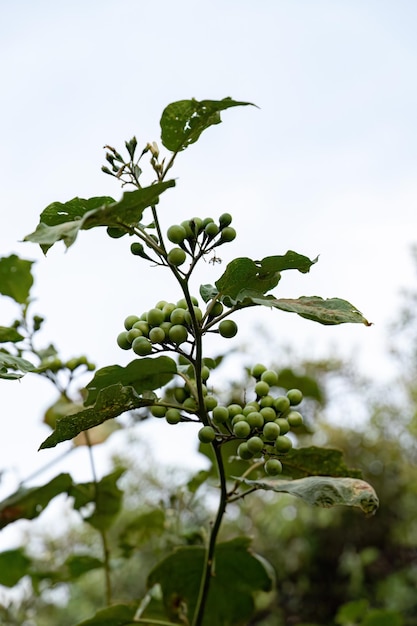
{"type": "Point", "coordinates": [326, 165]}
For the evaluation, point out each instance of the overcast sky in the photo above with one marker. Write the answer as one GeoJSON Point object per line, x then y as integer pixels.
{"type": "Point", "coordinates": [326, 165]}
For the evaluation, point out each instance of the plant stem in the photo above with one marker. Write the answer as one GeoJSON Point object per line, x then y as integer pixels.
{"type": "Point", "coordinates": [209, 560]}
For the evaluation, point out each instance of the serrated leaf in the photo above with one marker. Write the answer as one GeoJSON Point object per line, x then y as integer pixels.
{"type": "Point", "coordinates": [116, 615]}
{"type": "Point", "coordinates": [16, 278]}
{"type": "Point", "coordinates": [18, 366]}
{"type": "Point", "coordinates": [28, 503]}
{"type": "Point", "coordinates": [245, 274]}
{"type": "Point", "coordinates": [14, 564]}
{"type": "Point", "coordinates": [238, 575]}
{"type": "Point", "coordinates": [144, 374]}
{"type": "Point", "coordinates": [183, 122]}
{"type": "Point", "coordinates": [315, 461]}
{"type": "Point", "coordinates": [62, 222]}
{"type": "Point", "coordinates": [111, 402]}
{"type": "Point", "coordinates": [8, 333]}
{"type": "Point", "coordinates": [324, 491]}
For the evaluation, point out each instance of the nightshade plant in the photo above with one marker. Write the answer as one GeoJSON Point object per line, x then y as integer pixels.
{"type": "Point", "coordinates": [249, 443]}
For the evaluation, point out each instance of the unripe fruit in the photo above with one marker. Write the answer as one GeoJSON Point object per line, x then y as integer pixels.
{"type": "Point", "coordinates": [241, 429]}
{"type": "Point", "coordinates": [225, 219]}
{"type": "Point", "coordinates": [294, 418]}
{"type": "Point", "coordinates": [205, 372]}
{"type": "Point", "coordinates": [294, 396]}
{"type": "Point", "coordinates": [156, 335]}
{"type": "Point", "coordinates": [283, 425]}
{"type": "Point", "coordinates": [267, 401]}
{"type": "Point", "coordinates": [211, 230]}
{"type": "Point", "coordinates": [130, 320]}
{"type": "Point", "coordinates": [176, 233]}
{"type": "Point", "coordinates": [281, 404]}
{"type": "Point", "coordinates": [178, 334]}
{"type": "Point", "coordinates": [255, 445]}
{"type": "Point", "coordinates": [155, 317]}
{"type": "Point", "coordinates": [178, 316]}
{"type": "Point", "coordinates": [176, 257]}
{"type": "Point", "coordinates": [188, 229]}
{"type": "Point", "coordinates": [234, 409]}
{"type": "Point", "coordinates": [244, 452]}
{"type": "Point", "coordinates": [271, 431]}
{"type": "Point", "coordinates": [141, 346]}
{"type": "Point", "coordinates": [190, 404]}
{"type": "Point", "coordinates": [270, 377]}
{"type": "Point", "coordinates": [137, 249]}
{"type": "Point", "coordinates": [283, 443]}
{"type": "Point", "coordinates": [261, 388]}
{"type": "Point", "coordinates": [210, 402]}
{"type": "Point", "coordinates": [196, 225]}
{"type": "Point", "coordinates": [220, 414]}
{"type": "Point", "coordinates": [227, 328]}
{"type": "Point", "coordinates": [273, 467]}
{"type": "Point", "coordinates": [122, 341]}
{"type": "Point", "coordinates": [142, 326]}
{"type": "Point", "coordinates": [216, 309]}
{"type": "Point", "coordinates": [207, 434]}
{"type": "Point", "coordinates": [268, 414]}
{"type": "Point", "coordinates": [167, 310]}
{"type": "Point", "coordinates": [255, 419]}
{"type": "Point", "coordinates": [228, 234]}
{"type": "Point", "coordinates": [257, 370]}
{"type": "Point", "coordinates": [158, 411]}
{"type": "Point", "coordinates": [180, 394]}
{"type": "Point", "coordinates": [160, 304]}
{"type": "Point", "coordinates": [238, 418]}
{"type": "Point", "coordinates": [133, 333]}
{"type": "Point", "coordinates": [173, 416]}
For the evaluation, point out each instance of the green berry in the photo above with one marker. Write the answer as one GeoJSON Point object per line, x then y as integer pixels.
{"type": "Point", "coordinates": [261, 388]}
{"type": "Point", "coordinates": [271, 431]}
{"type": "Point", "coordinates": [178, 316]}
{"type": "Point", "coordinates": [225, 219]}
{"type": "Point", "coordinates": [241, 429]}
{"type": "Point", "coordinates": [176, 257]}
{"type": "Point", "coordinates": [255, 419]}
{"type": "Point", "coordinates": [122, 341]}
{"type": "Point", "coordinates": [156, 335]}
{"type": "Point", "coordinates": [244, 452]}
{"type": "Point", "coordinates": [255, 445]}
{"type": "Point", "coordinates": [130, 320]}
{"type": "Point", "coordinates": [239, 417]}
{"type": "Point", "coordinates": [227, 328]}
{"type": "Point", "coordinates": [133, 333]}
{"type": "Point", "coordinates": [205, 372]}
{"type": "Point", "coordinates": [167, 309]}
{"type": "Point", "coordinates": [220, 414]}
{"type": "Point", "coordinates": [228, 234]}
{"type": "Point", "coordinates": [257, 370]}
{"type": "Point", "coordinates": [141, 346]}
{"type": "Point", "coordinates": [283, 443]}
{"type": "Point", "coordinates": [178, 334]}
{"type": "Point", "coordinates": [190, 404]}
{"type": "Point", "coordinates": [294, 418]}
{"type": "Point", "coordinates": [295, 396]}
{"type": "Point", "coordinates": [234, 409]}
{"type": "Point", "coordinates": [137, 249]}
{"type": "Point", "coordinates": [173, 416]}
{"type": "Point", "coordinates": [211, 230]}
{"type": "Point", "coordinates": [216, 309]}
{"type": "Point", "coordinates": [142, 326]}
{"type": "Point", "coordinates": [180, 394]}
{"type": "Point", "coordinates": [270, 377]}
{"type": "Point", "coordinates": [155, 317]}
{"type": "Point", "coordinates": [176, 233]}
{"type": "Point", "coordinates": [207, 434]}
{"type": "Point", "coordinates": [268, 414]}
{"type": "Point", "coordinates": [161, 304]}
{"type": "Point", "coordinates": [281, 404]}
{"type": "Point", "coordinates": [210, 402]}
{"type": "Point", "coordinates": [283, 425]}
{"type": "Point", "coordinates": [273, 467]}
{"type": "Point", "coordinates": [158, 411]}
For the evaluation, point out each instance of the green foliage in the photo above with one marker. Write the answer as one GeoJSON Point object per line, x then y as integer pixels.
{"type": "Point", "coordinates": [206, 582]}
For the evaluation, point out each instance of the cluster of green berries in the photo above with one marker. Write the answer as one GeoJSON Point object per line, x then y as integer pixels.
{"type": "Point", "coordinates": [262, 424]}
{"type": "Point", "coordinates": [169, 325]}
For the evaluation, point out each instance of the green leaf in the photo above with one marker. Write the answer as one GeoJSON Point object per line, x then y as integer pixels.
{"type": "Point", "coordinates": [289, 261]}
{"type": "Point", "coordinates": [14, 564]}
{"type": "Point", "coordinates": [29, 503]}
{"type": "Point", "coordinates": [243, 274]}
{"type": "Point", "coordinates": [18, 366]}
{"type": "Point", "coordinates": [383, 617]}
{"type": "Point", "coordinates": [352, 612]}
{"type": "Point", "coordinates": [238, 575]}
{"type": "Point", "coordinates": [64, 221]}
{"type": "Point", "coordinates": [106, 496]}
{"type": "Point", "coordinates": [141, 529]}
{"type": "Point", "coordinates": [16, 278]}
{"type": "Point", "coordinates": [143, 374]}
{"type": "Point", "coordinates": [315, 461]}
{"type": "Point", "coordinates": [9, 334]}
{"type": "Point", "coordinates": [111, 402]}
{"type": "Point", "coordinates": [329, 312]}
{"type": "Point", "coordinates": [79, 564]}
{"type": "Point", "coordinates": [183, 122]}
{"type": "Point", "coordinates": [324, 491]}
{"type": "Point", "coordinates": [198, 479]}
{"type": "Point", "coordinates": [116, 615]}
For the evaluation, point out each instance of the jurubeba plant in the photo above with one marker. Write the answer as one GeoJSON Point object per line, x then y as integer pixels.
{"type": "Point", "coordinates": [250, 443]}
